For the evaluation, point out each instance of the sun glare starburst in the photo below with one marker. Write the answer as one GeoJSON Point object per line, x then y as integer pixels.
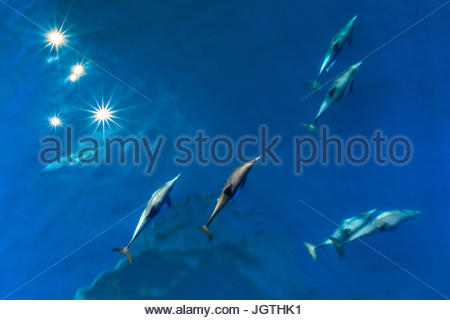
{"type": "Point", "coordinates": [55, 121]}
{"type": "Point", "coordinates": [77, 71]}
{"type": "Point", "coordinates": [55, 38]}
{"type": "Point", "coordinates": [73, 77]}
{"type": "Point", "coordinates": [103, 114]}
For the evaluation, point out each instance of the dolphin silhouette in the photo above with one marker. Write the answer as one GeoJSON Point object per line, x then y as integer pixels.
{"type": "Point", "coordinates": [75, 160]}
{"type": "Point", "coordinates": [154, 206]}
{"type": "Point", "coordinates": [387, 220]}
{"type": "Point", "coordinates": [234, 184]}
{"type": "Point", "coordinates": [340, 86]}
{"type": "Point", "coordinates": [342, 234]}
{"type": "Point", "coordinates": [343, 37]}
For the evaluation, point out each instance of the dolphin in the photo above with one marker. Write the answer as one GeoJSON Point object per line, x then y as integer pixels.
{"type": "Point", "coordinates": [154, 206]}
{"type": "Point", "coordinates": [342, 234]}
{"type": "Point", "coordinates": [343, 37]}
{"type": "Point", "coordinates": [387, 220]}
{"type": "Point", "coordinates": [340, 86]}
{"type": "Point", "coordinates": [59, 164]}
{"type": "Point", "coordinates": [63, 162]}
{"type": "Point", "coordinates": [234, 184]}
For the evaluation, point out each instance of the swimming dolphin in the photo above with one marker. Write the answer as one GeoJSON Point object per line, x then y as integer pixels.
{"type": "Point", "coordinates": [342, 234]}
{"type": "Point", "coordinates": [234, 184]}
{"type": "Point", "coordinates": [343, 37]}
{"type": "Point", "coordinates": [340, 86]}
{"type": "Point", "coordinates": [59, 164]}
{"type": "Point", "coordinates": [63, 162]}
{"type": "Point", "coordinates": [154, 206]}
{"type": "Point", "coordinates": [387, 220]}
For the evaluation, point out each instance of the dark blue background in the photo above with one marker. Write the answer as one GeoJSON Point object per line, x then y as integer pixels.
{"type": "Point", "coordinates": [227, 67]}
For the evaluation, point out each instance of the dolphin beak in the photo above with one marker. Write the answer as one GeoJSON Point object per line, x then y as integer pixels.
{"type": "Point", "coordinates": [176, 178]}
{"type": "Point", "coordinates": [357, 65]}
{"type": "Point", "coordinates": [257, 158]}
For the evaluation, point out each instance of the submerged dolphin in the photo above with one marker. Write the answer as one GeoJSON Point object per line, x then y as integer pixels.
{"type": "Point", "coordinates": [154, 206]}
{"type": "Point", "coordinates": [340, 86]}
{"type": "Point", "coordinates": [234, 184]}
{"type": "Point", "coordinates": [387, 220]}
{"type": "Point", "coordinates": [342, 234]}
{"type": "Point", "coordinates": [339, 41]}
{"type": "Point", "coordinates": [63, 162]}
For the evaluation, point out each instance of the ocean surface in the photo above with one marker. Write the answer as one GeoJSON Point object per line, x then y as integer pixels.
{"type": "Point", "coordinates": [225, 67]}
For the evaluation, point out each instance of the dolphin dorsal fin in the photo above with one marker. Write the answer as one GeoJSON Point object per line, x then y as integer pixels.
{"type": "Point", "coordinates": [169, 203]}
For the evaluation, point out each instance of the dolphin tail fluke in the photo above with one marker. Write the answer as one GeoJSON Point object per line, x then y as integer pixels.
{"type": "Point", "coordinates": [313, 85]}
{"type": "Point", "coordinates": [311, 127]}
{"type": "Point", "coordinates": [339, 247]}
{"type": "Point", "coordinates": [125, 252]}
{"type": "Point", "coordinates": [205, 229]}
{"type": "Point", "coordinates": [311, 249]}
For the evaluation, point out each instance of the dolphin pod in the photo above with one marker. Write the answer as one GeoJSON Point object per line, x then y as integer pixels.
{"type": "Point", "coordinates": [350, 229]}
{"type": "Point", "coordinates": [342, 234]}
{"type": "Point", "coordinates": [361, 225]}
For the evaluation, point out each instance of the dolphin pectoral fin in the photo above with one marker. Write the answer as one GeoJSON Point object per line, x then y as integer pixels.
{"type": "Point", "coordinates": [205, 229]}
{"type": "Point", "coordinates": [331, 92]}
{"type": "Point", "coordinates": [350, 40]}
{"type": "Point", "coordinates": [227, 190]}
{"type": "Point", "coordinates": [347, 231]}
{"type": "Point", "coordinates": [243, 183]}
{"type": "Point", "coordinates": [169, 203]}
{"type": "Point", "coordinates": [311, 249]}
{"type": "Point", "coordinates": [351, 88]}
{"type": "Point", "coordinates": [125, 252]}
{"type": "Point", "coordinates": [331, 65]}
{"type": "Point", "coordinates": [339, 247]}
{"type": "Point", "coordinates": [336, 45]}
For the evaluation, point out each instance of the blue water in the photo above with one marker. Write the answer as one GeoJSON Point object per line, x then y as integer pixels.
{"type": "Point", "coordinates": [227, 67]}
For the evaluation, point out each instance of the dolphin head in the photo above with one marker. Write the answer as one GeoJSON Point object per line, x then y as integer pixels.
{"type": "Point", "coordinates": [353, 70]}
{"type": "Point", "coordinates": [352, 21]}
{"type": "Point", "coordinates": [252, 162]}
{"type": "Point", "coordinates": [356, 66]}
{"type": "Point", "coordinates": [176, 178]}
{"type": "Point", "coordinates": [170, 183]}
{"type": "Point", "coordinates": [411, 213]}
